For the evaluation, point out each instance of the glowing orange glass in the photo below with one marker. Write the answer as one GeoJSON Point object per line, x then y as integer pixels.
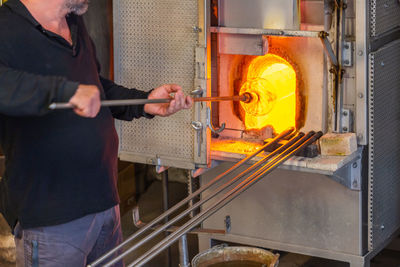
{"type": "Point", "coordinates": [271, 81]}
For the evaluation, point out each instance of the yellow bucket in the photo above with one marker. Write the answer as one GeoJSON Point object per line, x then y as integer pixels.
{"type": "Point", "coordinates": [223, 256]}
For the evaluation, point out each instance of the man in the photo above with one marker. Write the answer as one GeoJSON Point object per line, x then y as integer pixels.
{"type": "Point", "coordinates": [59, 189]}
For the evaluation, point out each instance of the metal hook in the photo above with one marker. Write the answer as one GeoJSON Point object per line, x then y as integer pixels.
{"type": "Point", "coordinates": [197, 92]}
{"type": "Point", "coordinates": [209, 123]}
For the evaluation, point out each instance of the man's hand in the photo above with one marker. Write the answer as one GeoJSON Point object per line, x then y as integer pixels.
{"type": "Point", "coordinates": [86, 101]}
{"type": "Point", "coordinates": [179, 102]}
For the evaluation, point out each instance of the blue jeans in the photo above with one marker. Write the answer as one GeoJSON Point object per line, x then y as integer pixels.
{"type": "Point", "coordinates": [76, 243]}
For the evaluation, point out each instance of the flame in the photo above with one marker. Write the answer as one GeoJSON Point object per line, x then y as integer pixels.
{"type": "Point", "coordinates": [271, 81]}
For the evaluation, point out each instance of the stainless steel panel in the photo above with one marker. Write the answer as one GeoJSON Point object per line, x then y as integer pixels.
{"type": "Point", "coordinates": [385, 15]}
{"type": "Point", "coordinates": [267, 14]}
{"type": "Point", "coordinates": [384, 141]}
{"type": "Point", "coordinates": [155, 44]}
{"type": "Point", "coordinates": [242, 44]}
{"type": "Point", "coordinates": [294, 208]}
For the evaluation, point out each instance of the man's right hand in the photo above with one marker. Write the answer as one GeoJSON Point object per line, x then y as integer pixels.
{"type": "Point", "coordinates": [86, 101]}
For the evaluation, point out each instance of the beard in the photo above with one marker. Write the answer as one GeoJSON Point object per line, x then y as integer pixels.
{"type": "Point", "coordinates": [78, 7]}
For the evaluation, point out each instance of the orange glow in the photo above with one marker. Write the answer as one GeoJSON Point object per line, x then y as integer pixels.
{"type": "Point", "coordinates": [272, 82]}
{"type": "Point", "coordinates": [235, 146]}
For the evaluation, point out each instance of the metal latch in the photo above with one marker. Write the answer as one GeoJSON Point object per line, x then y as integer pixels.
{"type": "Point", "coordinates": [198, 127]}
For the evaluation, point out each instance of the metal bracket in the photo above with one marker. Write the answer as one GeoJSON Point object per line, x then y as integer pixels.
{"type": "Point", "coordinates": [346, 121]}
{"type": "Point", "coordinates": [159, 167]}
{"type": "Point", "coordinates": [209, 123]}
{"type": "Point", "coordinates": [350, 175]}
{"type": "Point", "coordinates": [348, 54]}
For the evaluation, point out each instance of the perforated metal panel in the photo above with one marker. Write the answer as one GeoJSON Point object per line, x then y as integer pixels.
{"type": "Point", "coordinates": [385, 15]}
{"type": "Point", "coordinates": [384, 140]}
{"type": "Point", "coordinates": [154, 45]}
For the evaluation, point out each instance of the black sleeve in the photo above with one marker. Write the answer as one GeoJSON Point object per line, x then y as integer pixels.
{"type": "Point", "coordinates": [27, 94]}
{"type": "Point", "coordinates": [116, 92]}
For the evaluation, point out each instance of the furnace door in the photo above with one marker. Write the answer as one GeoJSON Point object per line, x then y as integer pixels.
{"type": "Point", "coordinates": [155, 43]}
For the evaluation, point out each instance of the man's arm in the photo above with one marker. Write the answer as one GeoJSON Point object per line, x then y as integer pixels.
{"type": "Point", "coordinates": [27, 94]}
{"type": "Point", "coordinates": [115, 92]}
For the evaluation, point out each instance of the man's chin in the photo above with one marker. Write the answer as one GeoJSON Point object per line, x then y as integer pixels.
{"type": "Point", "coordinates": [80, 11]}
{"type": "Point", "coordinates": [77, 7]}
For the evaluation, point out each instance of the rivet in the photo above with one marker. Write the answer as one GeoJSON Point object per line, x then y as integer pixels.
{"type": "Point", "coordinates": [360, 95]}
{"type": "Point", "coordinates": [345, 129]}
{"type": "Point", "coordinates": [355, 165]}
{"type": "Point", "coordinates": [360, 53]}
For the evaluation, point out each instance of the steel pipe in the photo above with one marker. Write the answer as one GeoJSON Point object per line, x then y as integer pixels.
{"type": "Point", "coordinates": [244, 185]}
{"type": "Point", "coordinates": [246, 97]}
{"type": "Point", "coordinates": [204, 200]}
{"type": "Point", "coordinates": [148, 226]}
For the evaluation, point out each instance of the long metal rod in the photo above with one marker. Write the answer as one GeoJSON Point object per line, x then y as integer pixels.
{"type": "Point", "coordinates": [204, 200]}
{"type": "Point", "coordinates": [303, 142]}
{"type": "Point", "coordinates": [130, 102]}
{"type": "Point", "coordinates": [165, 203]}
{"type": "Point", "coordinates": [148, 226]}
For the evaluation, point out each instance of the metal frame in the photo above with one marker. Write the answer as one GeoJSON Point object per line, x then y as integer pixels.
{"type": "Point", "coordinates": [361, 65]}
{"type": "Point", "coordinates": [274, 32]}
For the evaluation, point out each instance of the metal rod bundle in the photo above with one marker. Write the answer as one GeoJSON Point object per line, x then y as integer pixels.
{"type": "Point", "coordinates": [264, 166]}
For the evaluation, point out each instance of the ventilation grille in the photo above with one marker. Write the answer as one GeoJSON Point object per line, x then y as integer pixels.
{"type": "Point", "coordinates": [384, 141]}
{"type": "Point", "coordinates": [384, 16]}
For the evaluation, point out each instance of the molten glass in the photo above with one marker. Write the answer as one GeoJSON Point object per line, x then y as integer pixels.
{"type": "Point", "coordinates": [271, 81]}
{"type": "Point", "coordinates": [262, 99]}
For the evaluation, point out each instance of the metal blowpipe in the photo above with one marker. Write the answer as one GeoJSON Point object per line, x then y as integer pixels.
{"type": "Point", "coordinates": [246, 97]}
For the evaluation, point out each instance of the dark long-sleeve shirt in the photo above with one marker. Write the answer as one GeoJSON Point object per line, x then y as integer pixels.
{"type": "Point", "coordinates": [59, 166]}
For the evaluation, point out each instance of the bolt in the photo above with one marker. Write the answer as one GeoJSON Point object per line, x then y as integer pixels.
{"type": "Point", "coordinates": [360, 95]}
{"type": "Point", "coordinates": [382, 63]}
{"type": "Point", "coordinates": [345, 129]}
{"type": "Point", "coordinates": [346, 62]}
{"type": "Point", "coordinates": [382, 227]}
{"type": "Point", "coordinates": [346, 46]}
{"type": "Point", "coordinates": [360, 53]}
{"type": "Point", "coordinates": [197, 29]}
{"type": "Point", "coordinates": [355, 183]}
{"type": "Point", "coordinates": [345, 113]}
{"type": "Point", "coordinates": [355, 165]}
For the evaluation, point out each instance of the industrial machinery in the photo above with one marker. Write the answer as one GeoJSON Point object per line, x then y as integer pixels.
{"type": "Point", "coordinates": [328, 66]}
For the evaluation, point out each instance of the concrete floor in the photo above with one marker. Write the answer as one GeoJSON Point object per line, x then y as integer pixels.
{"type": "Point", "coordinates": [150, 204]}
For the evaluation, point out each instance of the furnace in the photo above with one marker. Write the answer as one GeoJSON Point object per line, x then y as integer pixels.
{"type": "Point", "coordinates": [329, 66]}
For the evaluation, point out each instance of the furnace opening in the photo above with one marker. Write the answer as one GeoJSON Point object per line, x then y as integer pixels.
{"type": "Point", "coordinates": [272, 82]}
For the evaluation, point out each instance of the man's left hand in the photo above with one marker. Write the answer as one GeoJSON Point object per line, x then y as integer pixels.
{"type": "Point", "coordinates": [179, 102]}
